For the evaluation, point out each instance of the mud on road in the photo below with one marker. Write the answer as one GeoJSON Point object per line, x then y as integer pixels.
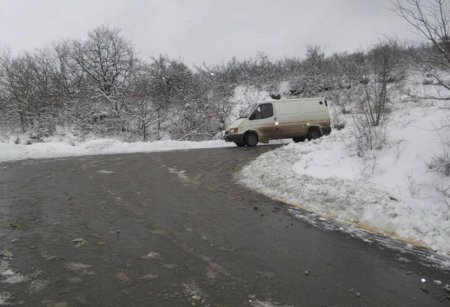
{"type": "Point", "coordinates": [176, 229]}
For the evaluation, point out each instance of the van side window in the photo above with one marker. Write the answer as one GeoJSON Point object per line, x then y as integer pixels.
{"type": "Point", "coordinates": [266, 110]}
{"type": "Point", "coordinates": [262, 111]}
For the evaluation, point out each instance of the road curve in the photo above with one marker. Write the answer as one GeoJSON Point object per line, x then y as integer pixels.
{"type": "Point", "coordinates": [175, 229]}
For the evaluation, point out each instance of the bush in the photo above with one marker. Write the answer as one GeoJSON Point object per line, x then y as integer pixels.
{"type": "Point", "coordinates": [441, 163]}
{"type": "Point", "coordinates": [367, 136]}
{"type": "Point", "coordinates": [337, 117]}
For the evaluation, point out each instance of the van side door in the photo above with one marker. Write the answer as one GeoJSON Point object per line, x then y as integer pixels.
{"type": "Point", "coordinates": [291, 118]}
{"type": "Point", "coordinates": [263, 121]}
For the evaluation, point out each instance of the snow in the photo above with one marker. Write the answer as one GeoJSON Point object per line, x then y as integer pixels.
{"type": "Point", "coordinates": [4, 298]}
{"type": "Point", "coordinates": [392, 191]}
{"type": "Point", "coordinates": [54, 149]}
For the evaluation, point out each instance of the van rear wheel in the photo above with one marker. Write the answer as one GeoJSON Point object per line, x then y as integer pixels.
{"type": "Point", "coordinates": [298, 140]}
{"type": "Point", "coordinates": [251, 139]}
{"type": "Point", "coordinates": [314, 133]}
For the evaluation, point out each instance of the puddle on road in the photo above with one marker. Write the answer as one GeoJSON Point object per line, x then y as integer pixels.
{"type": "Point", "coordinates": [10, 276]}
{"type": "Point", "coordinates": [181, 174]}
{"type": "Point", "coordinates": [5, 298]}
{"type": "Point", "coordinates": [194, 294]}
{"type": "Point", "coordinates": [79, 268]}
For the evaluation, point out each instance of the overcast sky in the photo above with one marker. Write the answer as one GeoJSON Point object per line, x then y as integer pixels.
{"type": "Point", "coordinates": [208, 31]}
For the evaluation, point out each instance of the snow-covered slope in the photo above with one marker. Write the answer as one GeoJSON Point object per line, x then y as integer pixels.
{"type": "Point", "coordinates": [393, 192]}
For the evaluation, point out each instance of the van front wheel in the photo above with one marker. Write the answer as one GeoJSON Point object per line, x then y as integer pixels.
{"type": "Point", "coordinates": [251, 139]}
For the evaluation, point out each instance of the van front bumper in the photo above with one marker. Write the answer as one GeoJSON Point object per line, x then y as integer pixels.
{"type": "Point", "coordinates": [234, 137]}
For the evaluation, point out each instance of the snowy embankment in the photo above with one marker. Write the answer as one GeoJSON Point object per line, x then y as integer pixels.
{"type": "Point", "coordinates": [394, 192]}
{"type": "Point", "coordinates": [53, 149]}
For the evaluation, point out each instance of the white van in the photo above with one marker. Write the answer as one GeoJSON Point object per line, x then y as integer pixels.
{"type": "Point", "coordinates": [299, 119]}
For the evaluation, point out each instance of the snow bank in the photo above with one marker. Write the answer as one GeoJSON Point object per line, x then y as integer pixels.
{"type": "Point", "coordinates": [10, 151]}
{"type": "Point", "coordinates": [394, 192]}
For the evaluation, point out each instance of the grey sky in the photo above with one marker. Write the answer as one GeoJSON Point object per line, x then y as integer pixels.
{"type": "Point", "coordinates": [206, 30]}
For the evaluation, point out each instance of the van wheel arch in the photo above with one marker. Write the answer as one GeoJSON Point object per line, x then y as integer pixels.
{"type": "Point", "coordinates": [314, 132]}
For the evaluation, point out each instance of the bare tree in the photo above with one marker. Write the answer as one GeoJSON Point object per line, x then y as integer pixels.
{"type": "Point", "coordinates": [202, 116]}
{"type": "Point", "coordinates": [381, 74]}
{"type": "Point", "coordinates": [431, 20]}
{"type": "Point", "coordinates": [169, 80]}
{"type": "Point", "coordinates": [72, 85]}
{"type": "Point", "coordinates": [216, 89]}
{"type": "Point", "coordinates": [28, 84]}
{"type": "Point", "coordinates": [108, 60]}
{"type": "Point", "coordinates": [142, 106]}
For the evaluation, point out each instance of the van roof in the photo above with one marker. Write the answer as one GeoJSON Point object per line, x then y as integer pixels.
{"type": "Point", "coordinates": [296, 99]}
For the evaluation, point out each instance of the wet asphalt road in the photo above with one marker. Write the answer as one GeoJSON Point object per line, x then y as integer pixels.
{"type": "Point", "coordinates": [175, 229]}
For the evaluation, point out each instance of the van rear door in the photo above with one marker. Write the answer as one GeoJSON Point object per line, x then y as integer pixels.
{"type": "Point", "coordinates": [263, 121]}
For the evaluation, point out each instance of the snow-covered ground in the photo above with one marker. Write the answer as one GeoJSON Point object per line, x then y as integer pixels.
{"type": "Point", "coordinates": [54, 149]}
{"type": "Point", "coordinates": [393, 192]}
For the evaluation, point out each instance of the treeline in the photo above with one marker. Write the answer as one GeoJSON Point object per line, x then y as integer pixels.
{"type": "Point", "coordinates": [100, 86]}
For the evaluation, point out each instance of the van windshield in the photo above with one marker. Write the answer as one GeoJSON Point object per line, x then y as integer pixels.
{"type": "Point", "coordinates": [247, 111]}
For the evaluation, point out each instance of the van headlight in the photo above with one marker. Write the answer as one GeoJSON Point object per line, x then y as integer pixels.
{"type": "Point", "coordinates": [233, 130]}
